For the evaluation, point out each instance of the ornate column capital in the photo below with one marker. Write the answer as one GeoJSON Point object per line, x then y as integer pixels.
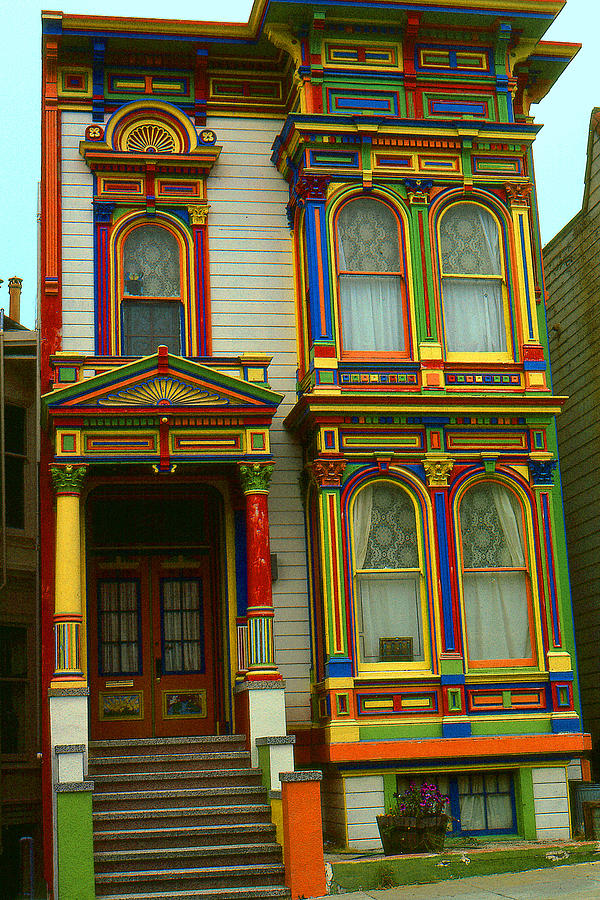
{"type": "Point", "coordinates": [541, 471]}
{"type": "Point", "coordinates": [312, 187]}
{"type": "Point", "coordinates": [518, 194]}
{"type": "Point", "coordinates": [418, 189]}
{"type": "Point", "coordinates": [328, 472]}
{"type": "Point", "coordinates": [256, 477]}
{"type": "Point", "coordinates": [438, 468]}
{"type": "Point", "coordinates": [68, 479]}
{"type": "Point", "coordinates": [198, 214]}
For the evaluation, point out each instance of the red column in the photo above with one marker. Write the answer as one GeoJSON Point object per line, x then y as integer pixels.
{"type": "Point", "coordinates": [255, 478]}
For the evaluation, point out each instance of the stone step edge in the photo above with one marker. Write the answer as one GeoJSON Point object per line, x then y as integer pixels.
{"type": "Point", "coordinates": [196, 872]}
{"type": "Point", "coordinates": [172, 793]}
{"type": "Point", "coordinates": [161, 852]}
{"type": "Point", "coordinates": [167, 757]}
{"type": "Point", "coordinates": [237, 809]}
{"type": "Point", "coordinates": [188, 773]}
{"type": "Point", "coordinates": [252, 892]}
{"type": "Point", "coordinates": [148, 833]}
{"type": "Point", "coordinates": [166, 741]}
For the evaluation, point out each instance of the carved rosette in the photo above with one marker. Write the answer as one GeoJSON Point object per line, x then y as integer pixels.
{"type": "Point", "coordinates": [328, 472]}
{"type": "Point", "coordinates": [198, 214]}
{"type": "Point", "coordinates": [256, 477]}
{"type": "Point", "coordinates": [438, 469]}
{"type": "Point", "coordinates": [542, 471]}
{"type": "Point", "coordinates": [68, 479]}
{"type": "Point", "coordinates": [518, 194]}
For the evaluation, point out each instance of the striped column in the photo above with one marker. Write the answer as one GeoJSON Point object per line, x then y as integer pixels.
{"type": "Point", "coordinates": [68, 612]}
{"type": "Point", "coordinates": [256, 478]}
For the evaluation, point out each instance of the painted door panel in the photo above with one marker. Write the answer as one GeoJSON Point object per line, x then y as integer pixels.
{"type": "Point", "coordinates": [151, 638]}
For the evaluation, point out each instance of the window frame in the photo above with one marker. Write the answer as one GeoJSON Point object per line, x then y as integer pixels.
{"type": "Point", "coordinates": [492, 356]}
{"type": "Point", "coordinates": [23, 458]}
{"type": "Point", "coordinates": [528, 569]}
{"type": "Point", "coordinates": [403, 274]}
{"type": "Point", "coordinates": [124, 298]}
{"type": "Point", "coordinates": [422, 524]}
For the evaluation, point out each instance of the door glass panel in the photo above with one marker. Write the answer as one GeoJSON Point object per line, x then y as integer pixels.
{"type": "Point", "coordinates": [182, 631]}
{"type": "Point", "coordinates": [119, 626]}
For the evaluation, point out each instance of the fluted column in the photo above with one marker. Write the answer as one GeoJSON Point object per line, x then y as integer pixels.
{"type": "Point", "coordinates": [255, 479]}
{"type": "Point", "coordinates": [68, 610]}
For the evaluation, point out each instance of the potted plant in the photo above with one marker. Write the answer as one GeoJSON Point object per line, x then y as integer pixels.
{"type": "Point", "coordinates": [417, 823]}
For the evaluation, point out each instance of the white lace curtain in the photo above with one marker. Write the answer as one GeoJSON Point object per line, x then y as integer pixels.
{"type": "Point", "coordinates": [151, 263]}
{"type": "Point", "coordinates": [496, 601]}
{"type": "Point", "coordinates": [385, 539]}
{"type": "Point", "coordinates": [182, 625]}
{"type": "Point", "coordinates": [473, 306]}
{"type": "Point", "coordinates": [371, 302]}
{"type": "Point", "coordinates": [118, 626]}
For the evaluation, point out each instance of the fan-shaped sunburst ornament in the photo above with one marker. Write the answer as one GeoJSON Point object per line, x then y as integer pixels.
{"type": "Point", "coordinates": [163, 390]}
{"type": "Point", "coordinates": [150, 139]}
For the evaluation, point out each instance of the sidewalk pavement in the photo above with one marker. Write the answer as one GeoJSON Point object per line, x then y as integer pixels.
{"type": "Point", "coordinates": [578, 882]}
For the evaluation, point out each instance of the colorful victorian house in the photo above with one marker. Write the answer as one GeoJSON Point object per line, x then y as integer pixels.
{"type": "Point", "coordinates": [299, 471]}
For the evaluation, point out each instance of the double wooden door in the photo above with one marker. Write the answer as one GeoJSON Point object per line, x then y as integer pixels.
{"type": "Point", "coordinates": [151, 647]}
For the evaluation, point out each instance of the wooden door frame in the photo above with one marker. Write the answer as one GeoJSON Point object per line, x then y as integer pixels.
{"type": "Point", "coordinates": [222, 571]}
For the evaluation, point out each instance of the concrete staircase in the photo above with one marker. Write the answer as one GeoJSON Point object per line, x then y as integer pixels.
{"type": "Point", "coordinates": [182, 818]}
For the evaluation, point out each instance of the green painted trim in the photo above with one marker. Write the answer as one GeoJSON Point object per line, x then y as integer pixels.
{"type": "Point", "coordinates": [75, 848]}
{"type": "Point", "coordinates": [452, 666]}
{"type": "Point", "coordinates": [389, 789]}
{"type": "Point", "coordinates": [510, 726]}
{"type": "Point", "coordinates": [524, 804]}
{"type": "Point", "coordinates": [399, 732]}
{"type": "Point", "coordinates": [331, 541]}
{"type": "Point", "coordinates": [264, 761]}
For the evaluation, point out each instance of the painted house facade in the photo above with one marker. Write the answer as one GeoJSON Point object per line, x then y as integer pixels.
{"type": "Point", "coordinates": [571, 262]}
{"type": "Point", "coordinates": [299, 472]}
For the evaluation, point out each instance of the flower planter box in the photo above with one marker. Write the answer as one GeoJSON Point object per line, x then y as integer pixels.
{"type": "Point", "coordinates": [409, 834]}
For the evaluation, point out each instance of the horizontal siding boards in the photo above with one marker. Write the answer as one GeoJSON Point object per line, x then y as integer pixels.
{"type": "Point", "coordinates": [333, 809]}
{"type": "Point", "coordinates": [77, 238]}
{"type": "Point", "coordinates": [252, 273]}
{"type": "Point", "coordinates": [365, 800]}
{"type": "Point", "coordinates": [551, 803]}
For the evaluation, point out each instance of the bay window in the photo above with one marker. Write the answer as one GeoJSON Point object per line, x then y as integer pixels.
{"type": "Point", "coordinates": [387, 575]}
{"type": "Point", "coordinates": [371, 280]}
{"type": "Point", "coordinates": [495, 576]}
{"type": "Point", "coordinates": [473, 285]}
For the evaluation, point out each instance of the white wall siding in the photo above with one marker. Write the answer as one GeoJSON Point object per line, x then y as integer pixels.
{"type": "Point", "coordinates": [252, 306]}
{"type": "Point", "coordinates": [333, 809]}
{"type": "Point", "coordinates": [77, 238]}
{"type": "Point", "coordinates": [551, 803]}
{"type": "Point", "coordinates": [365, 801]}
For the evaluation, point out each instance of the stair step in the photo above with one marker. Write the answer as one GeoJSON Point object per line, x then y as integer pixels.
{"type": "Point", "coordinates": [178, 879]}
{"type": "Point", "coordinates": [207, 835]}
{"type": "Point", "coordinates": [177, 797]}
{"type": "Point", "coordinates": [167, 745]}
{"type": "Point", "coordinates": [225, 757]}
{"type": "Point", "coordinates": [253, 892]}
{"type": "Point", "coordinates": [225, 813]}
{"type": "Point", "coordinates": [231, 776]}
{"type": "Point", "coordinates": [183, 856]}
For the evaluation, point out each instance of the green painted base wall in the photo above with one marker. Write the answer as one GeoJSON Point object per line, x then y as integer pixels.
{"type": "Point", "coordinates": [75, 846]}
{"type": "Point", "coordinates": [524, 804]}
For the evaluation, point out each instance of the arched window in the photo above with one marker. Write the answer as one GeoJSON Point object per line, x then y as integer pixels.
{"type": "Point", "coordinates": [473, 287]}
{"type": "Point", "coordinates": [495, 576]}
{"type": "Point", "coordinates": [387, 575]}
{"type": "Point", "coordinates": [371, 283]}
{"type": "Point", "coordinates": [151, 270]}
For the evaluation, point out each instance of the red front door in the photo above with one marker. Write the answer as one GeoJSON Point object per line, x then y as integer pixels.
{"type": "Point", "coordinates": [152, 633]}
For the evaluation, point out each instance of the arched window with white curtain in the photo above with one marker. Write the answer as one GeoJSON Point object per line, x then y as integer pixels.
{"type": "Point", "coordinates": [371, 279]}
{"type": "Point", "coordinates": [495, 576]}
{"type": "Point", "coordinates": [388, 575]}
{"type": "Point", "coordinates": [473, 281]}
{"type": "Point", "coordinates": [151, 307]}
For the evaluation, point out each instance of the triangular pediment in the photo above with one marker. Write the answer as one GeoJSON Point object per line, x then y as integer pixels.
{"type": "Point", "coordinates": [161, 382]}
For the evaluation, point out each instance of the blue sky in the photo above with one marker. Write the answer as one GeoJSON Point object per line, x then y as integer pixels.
{"type": "Point", "coordinates": [559, 155]}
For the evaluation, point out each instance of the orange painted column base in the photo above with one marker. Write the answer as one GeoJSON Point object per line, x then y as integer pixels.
{"type": "Point", "coordinates": [303, 834]}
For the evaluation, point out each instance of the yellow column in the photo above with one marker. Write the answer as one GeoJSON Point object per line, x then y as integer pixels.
{"type": "Point", "coordinates": [68, 611]}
